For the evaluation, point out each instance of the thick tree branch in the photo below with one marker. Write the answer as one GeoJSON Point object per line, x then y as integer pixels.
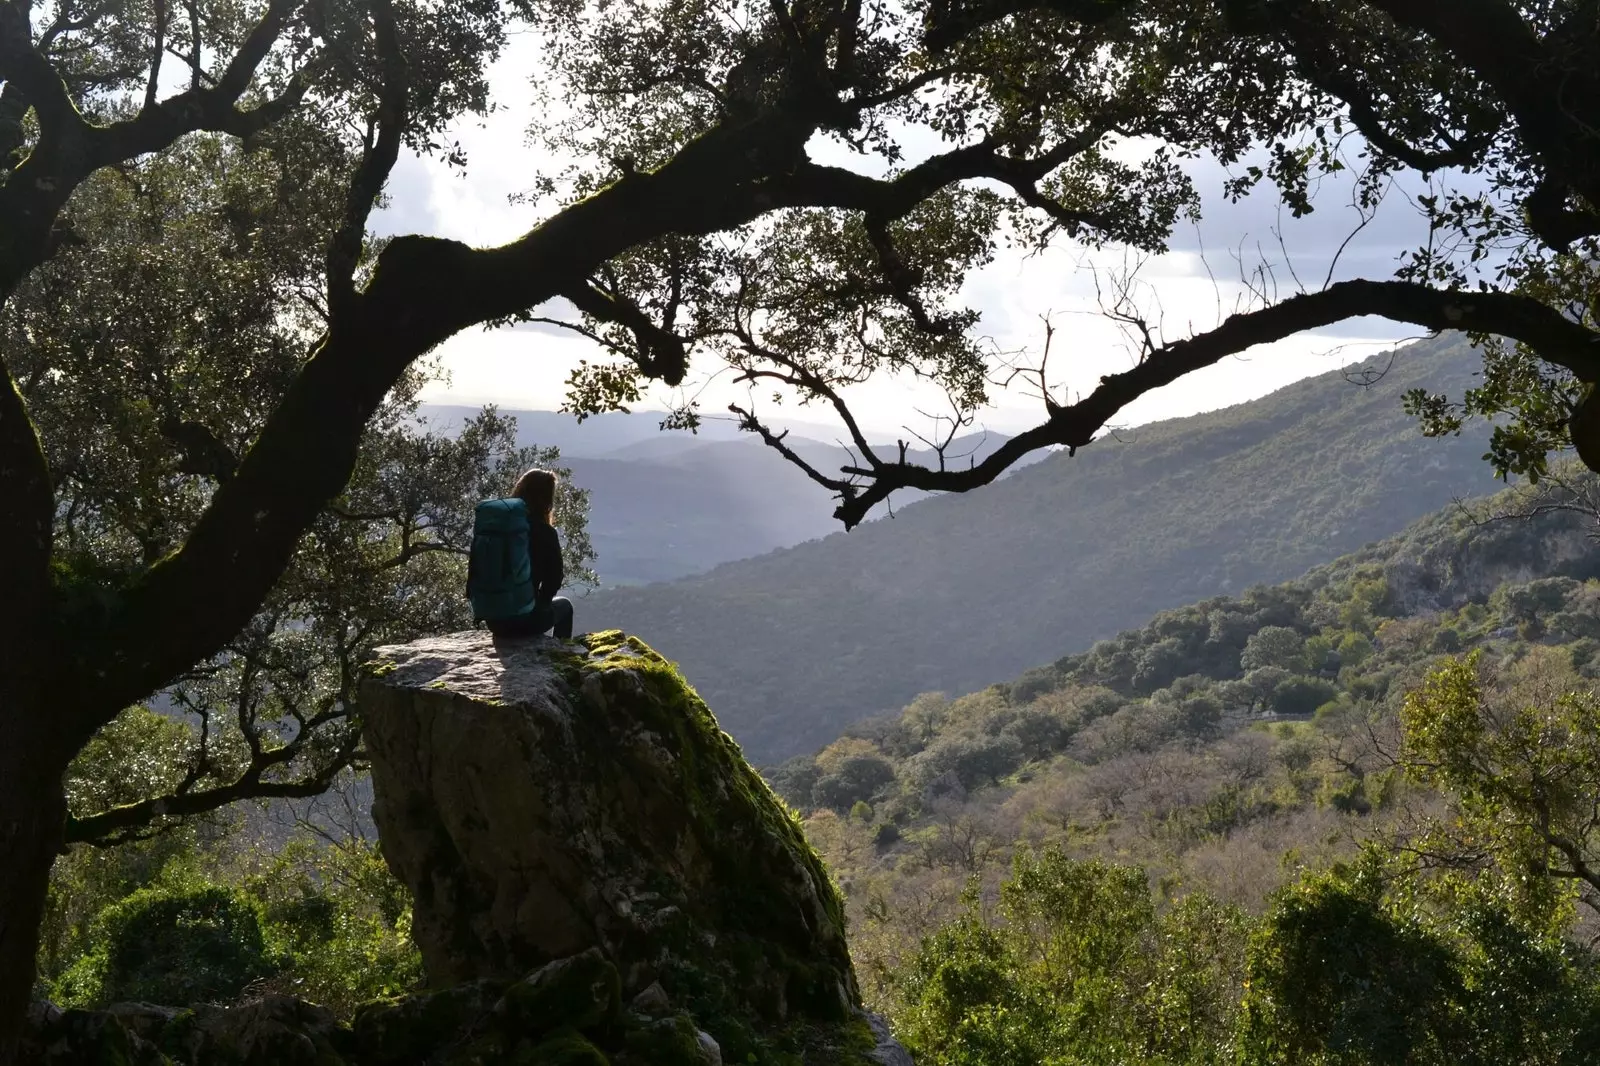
{"type": "Point", "coordinates": [1315, 50]}
{"type": "Point", "coordinates": [1556, 338]}
{"type": "Point", "coordinates": [13, 109]}
{"type": "Point", "coordinates": [157, 50]}
{"type": "Point", "coordinates": [1553, 97]}
{"type": "Point", "coordinates": [38, 187]}
{"type": "Point", "coordinates": [423, 290]}
{"type": "Point", "coordinates": [1548, 214]}
{"type": "Point", "coordinates": [892, 198]}
{"type": "Point", "coordinates": [21, 62]}
{"type": "Point", "coordinates": [213, 107]}
{"type": "Point", "coordinates": [660, 352]}
{"type": "Point", "coordinates": [377, 160]}
{"type": "Point", "coordinates": [25, 531]}
{"type": "Point", "coordinates": [69, 149]}
{"type": "Point", "coordinates": [135, 821]}
{"type": "Point", "coordinates": [1551, 88]}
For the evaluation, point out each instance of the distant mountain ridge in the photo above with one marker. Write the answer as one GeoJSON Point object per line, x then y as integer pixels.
{"type": "Point", "coordinates": [957, 592]}
{"type": "Point", "coordinates": [612, 432]}
{"type": "Point", "coordinates": [665, 505]}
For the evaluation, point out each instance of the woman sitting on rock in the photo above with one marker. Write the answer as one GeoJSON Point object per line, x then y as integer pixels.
{"type": "Point", "coordinates": [513, 600]}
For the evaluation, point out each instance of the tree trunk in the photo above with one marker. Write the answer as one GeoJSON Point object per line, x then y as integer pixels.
{"type": "Point", "coordinates": [32, 816]}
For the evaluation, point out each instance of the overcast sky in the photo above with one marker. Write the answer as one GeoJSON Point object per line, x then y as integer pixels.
{"type": "Point", "coordinates": [1189, 289]}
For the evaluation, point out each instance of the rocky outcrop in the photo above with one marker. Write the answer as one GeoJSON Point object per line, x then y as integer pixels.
{"type": "Point", "coordinates": [599, 879]}
{"type": "Point", "coordinates": [540, 797]}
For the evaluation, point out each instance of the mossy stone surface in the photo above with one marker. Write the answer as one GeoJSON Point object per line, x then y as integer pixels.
{"type": "Point", "coordinates": [581, 993]}
{"type": "Point", "coordinates": [673, 1041]}
{"type": "Point", "coordinates": [543, 797]}
{"type": "Point", "coordinates": [410, 1029]}
{"type": "Point", "coordinates": [574, 828]}
{"type": "Point", "coordinates": [89, 1038]}
{"type": "Point", "coordinates": [563, 1049]}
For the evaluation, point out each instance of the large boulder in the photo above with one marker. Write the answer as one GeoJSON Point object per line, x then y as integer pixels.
{"type": "Point", "coordinates": [542, 797]}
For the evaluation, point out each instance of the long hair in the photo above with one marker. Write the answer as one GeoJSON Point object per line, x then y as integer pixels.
{"type": "Point", "coordinates": [537, 489]}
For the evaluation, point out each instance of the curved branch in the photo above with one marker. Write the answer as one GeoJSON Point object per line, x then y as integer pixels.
{"type": "Point", "coordinates": [1553, 100]}
{"type": "Point", "coordinates": [377, 160]}
{"type": "Point", "coordinates": [814, 184]}
{"type": "Point", "coordinates": [904, 281]}
{"type": "Point", "coordinates": [1556, 338]}
{"type": "Point", "coordinates": [660, 352]}
{"type": "Point", "coordinates": [422, 291]}
{"type": "Point", "coordinates": [69, 149]}
{"type": "Point", "coordinates": [802, 377]}
{"type": "Point", "coordinates": [1313, 47]}
{"type": "Point", "coordinates": [214, 107]}
{"type": "Point", "coordinates": [750, 423]}
{"type": "Point", "coordinates": [23, 64]}
{"type": "Point", "coordinates": [1549, 215]}
{"type": "Point", "coordinates": [135, 821]}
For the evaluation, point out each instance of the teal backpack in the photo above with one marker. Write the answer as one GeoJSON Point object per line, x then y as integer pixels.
{"type": "Point", "coordinates": [499, 574]}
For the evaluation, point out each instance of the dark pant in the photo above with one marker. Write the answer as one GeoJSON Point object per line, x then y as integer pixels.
{"type": "Point", "coordinates": [556, 615]}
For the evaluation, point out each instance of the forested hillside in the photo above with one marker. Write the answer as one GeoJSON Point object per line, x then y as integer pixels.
{"type": "Point", "coordinates": [1226, 827]}
{"type": "Point", "coordinates": [663, 512]}
{"type": "Point", "coordinates": [1152, 795]}
{"type": "Point", "coordinates": [958, 591]}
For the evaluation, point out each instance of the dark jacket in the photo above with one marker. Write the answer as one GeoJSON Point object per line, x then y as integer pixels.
{"type": "Point", "coordinates": [544, 553]}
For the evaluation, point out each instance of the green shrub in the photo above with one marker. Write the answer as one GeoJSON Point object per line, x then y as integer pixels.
{"type": "Point", "coordinates": [856, 778]}
{"type": "Point", "coordinates": [342, 923]}
{"type": "Point", "coordinates": [1302, 695]}
{"type": "Point", "coordinates": [1039, 731]}
{"type": "Point", "coordinates": [1078, 968]}
{"type": "Point", "coordinates": [1446, 641]}
{"type": "Point", "coordinates": [171, 945]}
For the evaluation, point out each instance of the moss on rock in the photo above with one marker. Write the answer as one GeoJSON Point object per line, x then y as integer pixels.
{"type": "Point", "coordinates": [541, 797]}
{"type": "Point", "coordinates": [673, 1041]}
{"type": "Point", "coordinates": [563, 1049]}
{"type": "Point", "coordinates": [409, 1029]}
{"type": "Point", "coordinates": [582, 993]}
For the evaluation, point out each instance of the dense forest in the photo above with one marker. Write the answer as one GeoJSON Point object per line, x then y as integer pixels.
{"type": "Point", "coordinates": [1348, 818]}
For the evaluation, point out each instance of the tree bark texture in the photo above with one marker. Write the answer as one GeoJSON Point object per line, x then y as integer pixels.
{"type": "Point", "coordinates": [32, 814]}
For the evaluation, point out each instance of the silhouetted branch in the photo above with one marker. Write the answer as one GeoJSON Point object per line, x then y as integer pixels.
{"type": "Point", "coordinates": [378, 158]}
{"type": "Point", "coordinates": [1557, 338]}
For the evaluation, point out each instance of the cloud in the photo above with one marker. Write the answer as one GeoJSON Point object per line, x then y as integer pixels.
{"type": "Point", "coordinates": [410, 201]}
